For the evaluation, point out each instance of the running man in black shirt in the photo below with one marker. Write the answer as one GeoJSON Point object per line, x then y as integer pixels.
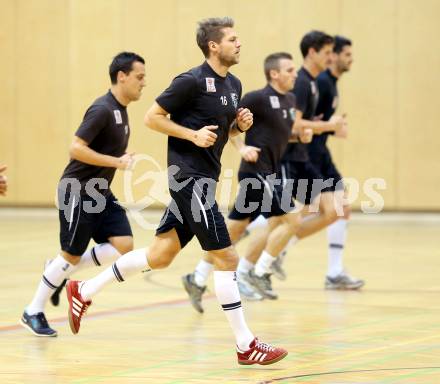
{"type": "Point", "coordinates": [316, 48]}
{"type": "Point", "coordinates": [87, 207]}
{"type": "Point", "coordinates": [320, 155]}
{"type": "Point", "coordinates": [273, 108]}
{"type": "Point", "coordinates": [203, 108]}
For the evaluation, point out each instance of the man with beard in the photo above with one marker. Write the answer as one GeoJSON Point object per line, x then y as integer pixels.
{"type": "Point", "coordinates": [273, 108]}
{"type": "Point", "coordinates": [203, 108]}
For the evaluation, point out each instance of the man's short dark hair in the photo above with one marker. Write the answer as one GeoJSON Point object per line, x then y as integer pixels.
{"type": "Point", "coordinates": [211, 30]}
{"type": "Point", "coordinates": [315, 40]}
{"type": "Point", "coordinates": [123, 62]}
{"type": "Point", "coordinates": [340, 43]}
{"type": "Point", "coordinates": [272, 62]}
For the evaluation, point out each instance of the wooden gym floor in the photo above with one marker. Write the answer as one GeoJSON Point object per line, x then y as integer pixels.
{"type": "Point", "coordinates": [145, 331]}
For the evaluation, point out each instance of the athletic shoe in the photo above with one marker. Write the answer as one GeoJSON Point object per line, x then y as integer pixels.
{"type": "Point", "coordinates": [194, 291]}
{"type": "Point", "coordinates": [77, 306]}
{"type": "Point", "coordinates": [261, 353]}
{"type": "Point", "coordinates": [37, 324]}
{"type": "Point", "coordinates": [343, 282]}
{"type": "Point", "coordinates": [246, 290]}
{"type": "Point", "coordinates": [263, 284]}
{"type": "Point", "coordinates": [278, 270]}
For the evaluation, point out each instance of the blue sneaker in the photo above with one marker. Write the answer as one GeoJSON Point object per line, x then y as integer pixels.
{"type": "Point", "coordinates": [37, 324]}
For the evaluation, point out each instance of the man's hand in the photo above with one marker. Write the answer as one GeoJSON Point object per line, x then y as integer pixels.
{"type": "Point", "coordinates": [125, 161]}
{"type": "Point", "coordinates": [343, 132]}
{"type": "Point", "coordinates": [204, 137]}
{"type": "Point", "coordinates": [306, 135]}
{"type": "Point", "coordinates": [245, 119]}
{"type": "Point", "coordinates": [250, 153]}
{"type": "Point", "coordinates": [3, 181]}
{"type": "Point", "coordinates": [338, 122]}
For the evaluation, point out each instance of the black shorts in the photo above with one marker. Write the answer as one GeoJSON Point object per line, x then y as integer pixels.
{"type": "Point", "coordinates": [324, 164]}
{"type": "Point", "coordinates": [302, 179]}
{"type": "Point", "coordinates": [194, 211]}
{"type": "Point", "coordinates": [79, 222]}
{"type": "Point", "coordinates": [259, 195]}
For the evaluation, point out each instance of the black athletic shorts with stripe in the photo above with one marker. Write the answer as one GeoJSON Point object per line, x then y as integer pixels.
{"type": "Point", "coordinates": [193, 211]}
{"type": "Point", "coordinates": [78, 225]}
{"type": "Point", "coordinates": [323, 163]}
{"type": "Point", "coordinates": [304, 180]}
{"type": "Point", "coordinates": [259, 195]}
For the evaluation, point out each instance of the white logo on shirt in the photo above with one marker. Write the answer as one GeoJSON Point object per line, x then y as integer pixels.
{"type": "Point", "coordinates": [275, 102]}
{"type": "Point", "coordinates": [118, 116]}
{"type": "Point", "coordinates": [210, 84]}
{"type": "Point", "coordinates": [234, 98]}
{"type": "Point", "coordinates": [292, 113]}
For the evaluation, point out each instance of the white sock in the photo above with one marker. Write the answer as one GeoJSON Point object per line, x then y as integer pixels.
{"type": "Point", "coordinates": [264, 264]}
{"type": "Point", "coordinates": [244, 266]}
{"type": "Point", "coordinates": [336, 235]}
{"type": "Point", "coordinates": [202, 272]}
{"type": "Point", "coordinates": [98, 255]}
{"type": "Point", "coordinates": [259, 222]}
{"type": "Point", "coordinates": [53, 276]}
{"type": "Point", "coordinates": [228, 295]}
{"type": "Point", "coordinates": [128, 264]}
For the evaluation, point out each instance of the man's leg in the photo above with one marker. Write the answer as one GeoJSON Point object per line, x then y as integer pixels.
{"type": "Point", "coordinates": [195, 282]}
{"type": "Point", "coordinates": [337, 277]}
{"type": "Point", "coordinates": [206, 265]}
{"type": "Point", "coordinates": [327, 215]}
{"type": "Point", "coordinates": [249, 349]}
{"type": "Point", "coordinates": [279, 236]}
{"type": "Point", "coordinates": [159, 255]}
{"type": "Point", "coordinates": [98, 255]}
{"type": "Point", "coordinates": [59, 269]}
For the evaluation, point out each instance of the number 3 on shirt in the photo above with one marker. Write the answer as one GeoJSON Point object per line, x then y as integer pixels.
{"type": "Point", "coordinates": [224, 100]}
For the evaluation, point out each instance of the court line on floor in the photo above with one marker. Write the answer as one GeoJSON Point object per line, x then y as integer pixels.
{"type": "Point", "coordinates": [344, 372]}
{"type": "Point", "coordinates": [125, 372]}
{"type": "Point", "coordinates": [109, 312]}
{"type": "Point", "coordinates": [360, 353]}
{"type": "Point", "coordinates": [305, 377]}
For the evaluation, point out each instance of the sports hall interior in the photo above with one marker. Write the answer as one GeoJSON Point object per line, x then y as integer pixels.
{"type": "Point", "coordinates": [55, 57]}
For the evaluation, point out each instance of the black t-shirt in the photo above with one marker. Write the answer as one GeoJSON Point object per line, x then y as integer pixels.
{"type": "Point", "coordinates": [327, 104]}
{"type": "Point", "coordinates": [195, 99]}
{"type": "Point", "coordinates": [106, 130]}
{"type": "Point", "coordinates": [274, 114]}
{"type": "Point", "coordinates": [306, 93]}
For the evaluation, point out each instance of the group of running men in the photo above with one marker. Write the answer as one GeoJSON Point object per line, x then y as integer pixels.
{"type": "Point", "coordinates": [285, 144]}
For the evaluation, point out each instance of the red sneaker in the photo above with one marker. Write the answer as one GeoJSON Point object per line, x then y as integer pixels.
{"type": "Point", "coordinates": [77, 306]}
{"type": "Point", "coordinates": [261, 353]}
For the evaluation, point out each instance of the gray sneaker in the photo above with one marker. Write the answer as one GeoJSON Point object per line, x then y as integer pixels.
{"type": "Point", "coordinates": [246, 290]}
{"type": "Point", "coordinates": [194, 291]}
{"type": "Point", "coordinates": [263, 284]}
{"type": "Point", "coordinates": [278, 270]}
{"type": "Point", "coordinates": [343, 282]}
